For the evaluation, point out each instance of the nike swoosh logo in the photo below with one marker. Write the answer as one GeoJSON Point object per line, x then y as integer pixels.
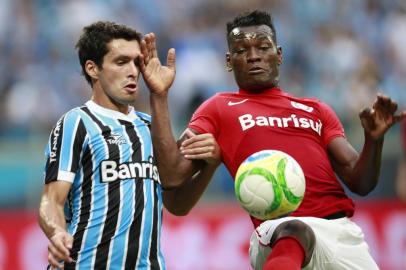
{"type": "Point", "coordinates": [230, 103]}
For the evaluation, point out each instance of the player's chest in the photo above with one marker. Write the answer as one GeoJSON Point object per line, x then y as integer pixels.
{"type": "Point", "coordinates": [245, 116]}
{"type": "Point", "coordinates": [118, 139]}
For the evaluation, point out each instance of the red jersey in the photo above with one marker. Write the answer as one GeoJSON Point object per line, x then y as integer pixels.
{"type": "Point", "coordinates": [244, 123]}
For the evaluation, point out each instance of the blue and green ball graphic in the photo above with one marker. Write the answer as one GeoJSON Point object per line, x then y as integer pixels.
{"type": "Point", "coordinates": [270, 184]}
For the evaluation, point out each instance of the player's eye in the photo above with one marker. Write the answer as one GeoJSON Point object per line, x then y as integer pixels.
{"type": "Point", "coordinates": [240, 50]}
{"type": "Point", "coordinates": [121, 62]}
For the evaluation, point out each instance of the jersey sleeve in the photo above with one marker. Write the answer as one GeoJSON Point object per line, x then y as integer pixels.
{"type": "Point", "coordinates": [206, 118]}
{"type": "Point", "coordinates": [332, 126]}
{"type": "Point", "coordinates": [64, 148]}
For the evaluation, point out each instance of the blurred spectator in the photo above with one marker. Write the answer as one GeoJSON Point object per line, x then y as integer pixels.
{"type": "Point", "coordinates": [328, 43]}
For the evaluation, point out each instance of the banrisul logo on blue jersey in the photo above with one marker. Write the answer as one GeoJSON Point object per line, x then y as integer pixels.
{"type": "Point", "coordinates": [111, 170]}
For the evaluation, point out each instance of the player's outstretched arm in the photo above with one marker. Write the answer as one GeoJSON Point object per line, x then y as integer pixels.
{"type": "Point", "coordinates": [52, 221]}
{"type": "Point", "coordinates": [360, 172]}
{"type": "Point", "coordinates": [174, 169]}
{"type": "Point", "coordinates": [201, 148]}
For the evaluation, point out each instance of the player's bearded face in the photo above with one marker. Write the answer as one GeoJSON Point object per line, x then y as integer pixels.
{"type": "Point", "coordinates": [254, 57]}
{"type": "Point", "coordinates": [120, 72]}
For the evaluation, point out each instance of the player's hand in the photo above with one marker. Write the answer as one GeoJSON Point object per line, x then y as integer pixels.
{"type": "Point", "coordinates": [201, 146]}
{"type": "Point", "coordinates": [59, 249]}
{"type": "Point", "coordinates": [157, 77]}
{"type": "Point", "coordinates": [378, 119]}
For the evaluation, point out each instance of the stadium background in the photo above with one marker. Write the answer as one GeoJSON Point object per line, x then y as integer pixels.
{"type": "Point", "coordinates": [339, 51]}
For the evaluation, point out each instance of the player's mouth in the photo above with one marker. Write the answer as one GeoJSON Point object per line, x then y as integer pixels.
{"type": "Point", "coordinates": [256, 70]}
{"type": "Point", "coordinates": [131, 87]}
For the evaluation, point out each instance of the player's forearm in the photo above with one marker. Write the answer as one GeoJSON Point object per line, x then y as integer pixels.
{"type": "Point", "coordinates": [366, 171]}
{"type": "Point", "coordinates": [51, 217]}
{"type": "Point", "coordinates": [173, 168]}
{"type": "Point", "coordinates": [181, 200]}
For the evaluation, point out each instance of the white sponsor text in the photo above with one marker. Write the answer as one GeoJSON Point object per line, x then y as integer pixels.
{"type": "Point", "coordinates": [248, 121]}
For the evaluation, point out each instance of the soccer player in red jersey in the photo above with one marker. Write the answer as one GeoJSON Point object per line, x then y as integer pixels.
{"type": "Point", "coordinates": [261, 115]}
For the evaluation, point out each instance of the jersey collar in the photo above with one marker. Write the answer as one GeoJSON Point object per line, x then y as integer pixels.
{"type": "Point", "coordinates": [93, 106]}
{"type": "Point", "coordinates": [270, 91]}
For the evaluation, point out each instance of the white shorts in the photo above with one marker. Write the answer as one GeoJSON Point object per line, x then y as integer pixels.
{"type": "Point", "coordinates": [340, 244]}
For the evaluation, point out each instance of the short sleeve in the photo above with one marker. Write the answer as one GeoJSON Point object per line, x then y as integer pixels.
{"type": "Point", "coordinates": [64, 148]}
{"type": "Point", "coordinates": [332, 126]}
{"type": "Point", "coordinates": [206, 118]}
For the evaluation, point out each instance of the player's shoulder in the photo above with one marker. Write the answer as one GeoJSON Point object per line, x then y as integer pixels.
{"type": "Point", "coordinates": [305, 99]}
{"type": "Point", "coordinates": [68, 118]}
{"type": "Point", "coordinates": [227, 94]}
{"type": "Point", "coordinates": [312, 102]}
{"type": "Point", "coordinates": [223, 96]}
{"type": "Point", "coordinates": [143, 116]}
{"type": "Point", "coordinates": [76, 111]}
{"type": "Point", "coordinates": [73, 113]}
{"type": "Point", "coordinates": [218, 100]}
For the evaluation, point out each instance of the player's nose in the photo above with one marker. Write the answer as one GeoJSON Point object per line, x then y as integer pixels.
{"type": "Point", "coordinates": [133, 70]}
{"type": "Point", "coordinates": [252, 55]}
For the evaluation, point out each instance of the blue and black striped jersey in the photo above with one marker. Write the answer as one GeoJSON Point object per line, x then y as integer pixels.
{"type": "Point", "coordinates": [114, 207]}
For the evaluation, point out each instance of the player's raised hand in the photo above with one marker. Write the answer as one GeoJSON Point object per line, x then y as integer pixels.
{"type": "Point", "coordinates": [59, 249]}
{"type": "Point", "coordinates": [201, 146]}
{"type": "Point", "coordinates": [378, 119]}
{"type": "Point", "coordinates": [157, 77]}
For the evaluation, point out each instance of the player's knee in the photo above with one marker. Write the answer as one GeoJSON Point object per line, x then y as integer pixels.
{"type": "Point", "coordinates": [301, 232]}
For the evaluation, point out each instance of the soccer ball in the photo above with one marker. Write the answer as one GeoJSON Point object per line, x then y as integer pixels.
{"type": "Point", "coordinates": [270, 184]}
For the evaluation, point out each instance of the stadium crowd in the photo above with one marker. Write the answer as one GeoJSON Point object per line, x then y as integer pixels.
{"type": "Point", "coordinates": [342, 52]}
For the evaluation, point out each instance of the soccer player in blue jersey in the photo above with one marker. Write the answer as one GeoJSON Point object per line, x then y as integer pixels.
{"type": "Point", "coordinates": [101, 207]}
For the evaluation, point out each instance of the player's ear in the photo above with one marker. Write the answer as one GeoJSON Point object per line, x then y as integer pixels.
{"type": "Point", "coordinates": [279, 52]}
{"type": "Point", "coordinates": [228, 62]}
{"type": "Point", "coordinates": [92, 69]}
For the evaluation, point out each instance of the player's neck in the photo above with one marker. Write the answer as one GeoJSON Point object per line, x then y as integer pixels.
{"type": "Point", "coordinates": [259, 91]}
{"type": "Point", "coordinates": [108, 103]}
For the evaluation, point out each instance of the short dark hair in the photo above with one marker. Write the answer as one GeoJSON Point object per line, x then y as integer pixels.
{"type": "Point", "coordinates": [92, 44]}
{"type": "Point", "coordinates": [252, 18]}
